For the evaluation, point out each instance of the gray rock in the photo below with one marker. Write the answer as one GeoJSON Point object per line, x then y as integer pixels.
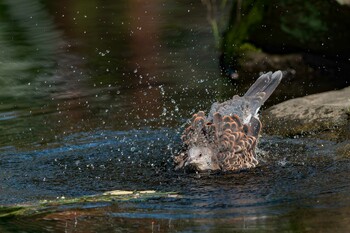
{"type": "Point", "coordinates": [343, 149]}
{"type": "Point", "coordinates": [325, 115]}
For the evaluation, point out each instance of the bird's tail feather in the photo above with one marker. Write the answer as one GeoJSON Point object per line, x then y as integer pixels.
{"type": "Point", "coordinates": [262, 89]}
{"type": "Point", "coordinates": [266, 83]}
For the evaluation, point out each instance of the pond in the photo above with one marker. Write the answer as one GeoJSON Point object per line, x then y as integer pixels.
{"type": "Point", "coordinates": [94, 97]}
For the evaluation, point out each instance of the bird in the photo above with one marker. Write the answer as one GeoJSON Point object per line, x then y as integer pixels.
{"type": "Point", "coordinates": [226, 138]}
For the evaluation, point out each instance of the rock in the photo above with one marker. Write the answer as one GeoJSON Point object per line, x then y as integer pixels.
{"type": "Point", "coordinates": [299, 79]}
{"type": "Point", "coordinates": [325, 115]}
{"type": "Point", "coordinates": [343, 150]}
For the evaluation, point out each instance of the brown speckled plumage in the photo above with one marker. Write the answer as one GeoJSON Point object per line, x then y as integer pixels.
{"type": "Point", "coordinates": [226, 139]}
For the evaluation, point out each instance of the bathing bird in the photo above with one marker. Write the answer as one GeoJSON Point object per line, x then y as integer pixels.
{"type": "Point", "coordinates": [227, 137]}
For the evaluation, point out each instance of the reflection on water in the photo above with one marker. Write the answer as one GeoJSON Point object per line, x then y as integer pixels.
{"type": "Point", "coordinates": [92, 99]}
{"type": "Point", "coordinates": [28, 43]}
{"type": "Point", "coordinates": [110, 66]}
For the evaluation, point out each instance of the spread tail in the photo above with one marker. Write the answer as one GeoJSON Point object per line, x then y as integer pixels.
{"type": "Point", "coordinates": [262, 89]}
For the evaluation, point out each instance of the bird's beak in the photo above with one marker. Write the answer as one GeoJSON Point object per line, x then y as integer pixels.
{"type": "Point", "coordinates": [189, 161]}
{"type": "Point", "coordinates": [192, 162]}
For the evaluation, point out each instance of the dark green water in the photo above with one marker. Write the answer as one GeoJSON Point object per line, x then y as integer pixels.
{"type": "Point", "coordinates": [93, 96]}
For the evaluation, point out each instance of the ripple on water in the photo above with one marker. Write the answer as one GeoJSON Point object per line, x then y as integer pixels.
{"type": "Point", "coordinates": [310, 178]}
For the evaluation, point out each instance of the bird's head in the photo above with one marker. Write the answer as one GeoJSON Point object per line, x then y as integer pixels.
{"type": "Point", "coordinates": [202, 158]}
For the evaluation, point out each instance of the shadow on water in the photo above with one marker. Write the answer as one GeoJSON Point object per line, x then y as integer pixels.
{"type": "Point", "coordinates": [94, 98]}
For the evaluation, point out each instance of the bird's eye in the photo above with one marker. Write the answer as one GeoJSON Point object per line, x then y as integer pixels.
{"type": "Point", "coordinates": [200, 155]}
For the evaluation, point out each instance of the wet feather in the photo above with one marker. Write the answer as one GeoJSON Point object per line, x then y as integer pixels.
{"type": "Point", "coordinates": [226, 138]}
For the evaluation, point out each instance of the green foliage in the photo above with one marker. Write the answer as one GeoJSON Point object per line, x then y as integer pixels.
{"type": "Point", "coordinates": [248, 47]}
{"type": "Point", "coordinates": [315, 26]}
{"type": "Point", "coordinates": [304, 24]}
{"type": "Point", "coordinates": [250, 15]}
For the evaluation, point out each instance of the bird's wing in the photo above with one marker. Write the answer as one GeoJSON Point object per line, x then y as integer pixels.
{"type": "Point", "coordinates": [195, 132]}
{"type": "Point", "coordinates": [236, 148]}
{"type": "Point", "coordinates": [253, 127]}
